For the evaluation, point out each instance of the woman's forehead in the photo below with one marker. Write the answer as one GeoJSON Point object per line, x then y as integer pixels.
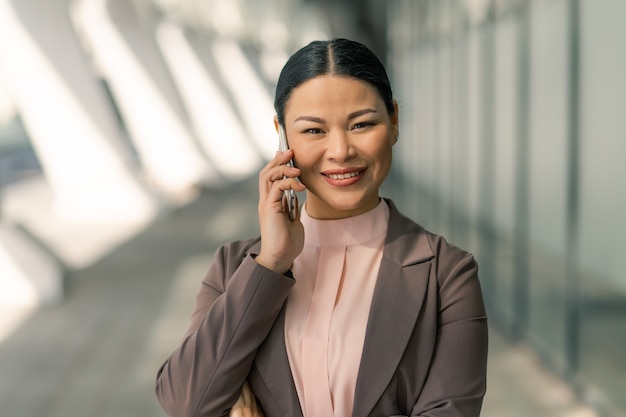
{"type": "Point", "coordinates": [331, 91]}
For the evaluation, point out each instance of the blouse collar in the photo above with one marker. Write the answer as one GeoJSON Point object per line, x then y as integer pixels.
{"type": "Point", "coordinates": [349, 231]}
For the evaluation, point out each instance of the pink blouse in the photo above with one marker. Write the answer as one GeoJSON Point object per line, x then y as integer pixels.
{"type": "Point", "coordinates": [328, 307]}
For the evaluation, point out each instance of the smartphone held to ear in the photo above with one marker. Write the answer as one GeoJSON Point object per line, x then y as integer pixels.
{"type": "Point", "coordinates": [290, 200]}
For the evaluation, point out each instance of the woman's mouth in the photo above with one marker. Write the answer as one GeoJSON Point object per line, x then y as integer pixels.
{"type": "Point", "coordinates": [344, 178]}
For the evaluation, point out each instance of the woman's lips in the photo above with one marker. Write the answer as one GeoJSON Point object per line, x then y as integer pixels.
{"type": "Point", "coordinates": [343, 178]}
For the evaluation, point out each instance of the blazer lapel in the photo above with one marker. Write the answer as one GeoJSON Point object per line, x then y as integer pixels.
{"type": "Point", "coordinates": [396, 304]}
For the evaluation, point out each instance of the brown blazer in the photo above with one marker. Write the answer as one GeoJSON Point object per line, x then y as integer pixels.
{"type": "Point", "coordinates": [425, 349]}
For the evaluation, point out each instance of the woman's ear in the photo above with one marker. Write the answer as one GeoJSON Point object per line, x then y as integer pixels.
{"type": "Point", "coordinates": [395, 123]}
{"type": "Point", "coordinates": [276, 124]}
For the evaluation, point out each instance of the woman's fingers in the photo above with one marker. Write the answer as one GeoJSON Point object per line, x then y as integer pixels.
{"type": "Point", "coordinates": [250, 399]}
{"type": "Point", "coordinates": [282, 236]}
{"type": "Point", "coordinates": [277, 169]}
{"type": "Point", "coordinates": [281, 158]}
{"type": "Point", "coordinates": [246, 405]}
{"type": "Point", "coordinates": [275, 199]}
{"type": "Point", "coordinates": [275, 178]}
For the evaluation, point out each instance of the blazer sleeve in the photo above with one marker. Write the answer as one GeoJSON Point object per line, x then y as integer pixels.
{"type": "Point", "coordinates": [235, 309]}
{"type": "Point", "coordinates": [456, 382]}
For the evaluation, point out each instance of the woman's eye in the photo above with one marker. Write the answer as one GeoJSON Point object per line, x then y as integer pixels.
{"type": "Point", "coordinates": [362, 125]}
{"type": "Point", "coordinates": [313, 131]}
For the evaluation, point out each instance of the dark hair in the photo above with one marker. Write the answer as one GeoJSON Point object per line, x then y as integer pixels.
{"type": "Point", "coordinates": [336, 56]}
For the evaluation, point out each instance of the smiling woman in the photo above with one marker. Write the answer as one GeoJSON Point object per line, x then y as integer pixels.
{"type": "Point", "coordinates": [350, 308]}
{"type": "Point", "coordinates": [341, 135]}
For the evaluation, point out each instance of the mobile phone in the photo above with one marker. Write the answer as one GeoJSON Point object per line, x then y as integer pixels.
{"type": "Point", "coordinates": [290, 200]}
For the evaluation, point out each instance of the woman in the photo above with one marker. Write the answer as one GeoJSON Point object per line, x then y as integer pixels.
{"type": "Point", "coordinates": [350, 309]}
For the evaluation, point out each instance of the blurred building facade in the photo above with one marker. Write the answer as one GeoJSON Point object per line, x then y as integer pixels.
{"type": "Point", "coordinates": [511, 136]}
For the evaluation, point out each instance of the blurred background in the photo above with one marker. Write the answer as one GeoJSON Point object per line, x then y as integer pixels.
{"type": "Point", "coordinates": [132, 131]}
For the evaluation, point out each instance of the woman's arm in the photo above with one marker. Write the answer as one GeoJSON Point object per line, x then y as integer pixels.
{"type": "Point", "coordinates": [456, 382]}
{"type": "Point", "coordinates": [234, 312]}
{"type": "Point", "coordinates": [236, 307]}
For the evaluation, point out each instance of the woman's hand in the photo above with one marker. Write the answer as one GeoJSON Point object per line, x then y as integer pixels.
{"type": "Point", "coordinates": [246, 404]}
{"type": "Point", "coordinates": [281, 238]}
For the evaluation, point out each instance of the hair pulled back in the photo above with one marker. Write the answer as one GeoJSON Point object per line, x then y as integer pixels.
{"type": "Point", "coordinates": [336, 56]}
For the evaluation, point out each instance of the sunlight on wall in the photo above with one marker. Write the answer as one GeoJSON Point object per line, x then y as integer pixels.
{"type": "Point", "coordinates": [163, 143]}
{"type": "Point", "coordinates": [65, 137]}
{"type": "Point", "coordinates": [274, 37]}
{"type": "Point", "coordinates": [29, 276]}
{"type": "Point", "coordinates": [252, 97]}
{"type": "Point", "coordinates": [226, 17]}
{"type": "Point", "coordinates": [219, 131]}
{"type": "Point", "coordinates": [7, 109]}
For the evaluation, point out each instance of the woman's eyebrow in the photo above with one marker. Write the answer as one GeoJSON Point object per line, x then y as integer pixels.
{"type": "Point", "coordinates": [310, 119]}
{"type": "Point", "coordinates": [360, 113]}
{"type": "Point", "coordinates": [350, 116]}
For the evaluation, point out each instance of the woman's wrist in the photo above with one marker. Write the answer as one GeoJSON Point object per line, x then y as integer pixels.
{"type": "Point", "coordinates": [273, 264]}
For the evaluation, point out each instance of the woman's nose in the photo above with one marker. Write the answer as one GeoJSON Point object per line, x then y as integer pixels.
{"type": "Point", "coordinates": [339, 148]}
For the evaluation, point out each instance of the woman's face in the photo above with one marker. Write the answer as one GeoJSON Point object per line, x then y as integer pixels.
{"type": "Point", "coordinates": [341, 135]}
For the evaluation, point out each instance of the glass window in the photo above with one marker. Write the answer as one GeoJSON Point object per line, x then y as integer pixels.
{"type": "Point", "coordinates": [505, 137]}
{"type": "Point", "coordinates": [603, 199]}
{"type": "Point", "coordinates": [548, 143]}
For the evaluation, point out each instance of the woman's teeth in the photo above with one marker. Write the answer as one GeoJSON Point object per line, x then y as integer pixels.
{"type": "Point", "coordinates": [343, 176]}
